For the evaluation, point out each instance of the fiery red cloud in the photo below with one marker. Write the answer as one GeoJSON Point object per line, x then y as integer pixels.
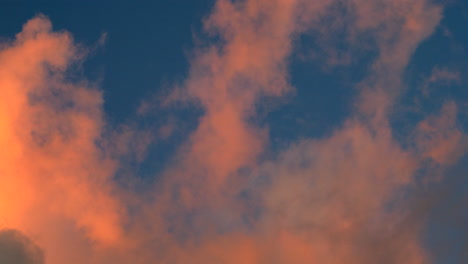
{"type": "Point", "coordinates": [322, 200]}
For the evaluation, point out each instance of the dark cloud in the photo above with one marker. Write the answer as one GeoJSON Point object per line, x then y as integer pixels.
{"type": "Point", "coordinates": [16, 248]}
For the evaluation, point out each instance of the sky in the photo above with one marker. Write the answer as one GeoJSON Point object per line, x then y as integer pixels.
{"type": "Point", "coordinates": [233, 131]}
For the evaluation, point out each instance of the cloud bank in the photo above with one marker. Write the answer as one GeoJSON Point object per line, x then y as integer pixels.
{"type": "Point", "coordinates": [226, 197]}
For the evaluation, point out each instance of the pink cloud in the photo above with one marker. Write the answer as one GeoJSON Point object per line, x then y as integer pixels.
{"type": "Point", "coordinates": [325, 200]}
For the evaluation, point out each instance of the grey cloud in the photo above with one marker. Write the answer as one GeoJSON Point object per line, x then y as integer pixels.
{"type": "Point", "coordinates": [16, 248]}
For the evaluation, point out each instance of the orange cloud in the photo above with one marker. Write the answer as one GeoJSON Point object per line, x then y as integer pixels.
{"type": "Point", "coordinates": [323, 200]}
{"type": "Point", "coordinates": [53, 174]}
{"type": "Point", "coordinates": [439, 138]}
{"type": "Point", "coordinates": [327, 199]}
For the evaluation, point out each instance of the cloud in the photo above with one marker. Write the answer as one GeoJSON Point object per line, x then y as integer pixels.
{"type": "Point", "coordinates": [225, 197]}
{"type": "Point", "coordinates": [329, 200]}
{"type": "Point", "coordinates": [439, 77]}
{"type": "Point", "coordinates": [15, 248]}
{"type": "Point", "coordinates": [439, 138]}
{"type": "Point", "coordinates": [53, 172]}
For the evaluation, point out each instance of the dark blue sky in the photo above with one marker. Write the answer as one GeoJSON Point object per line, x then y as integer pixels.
{"type": "Point", "coordinates": [146, 45]}
{"type": "Point", "coordinates": [149, 43]}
